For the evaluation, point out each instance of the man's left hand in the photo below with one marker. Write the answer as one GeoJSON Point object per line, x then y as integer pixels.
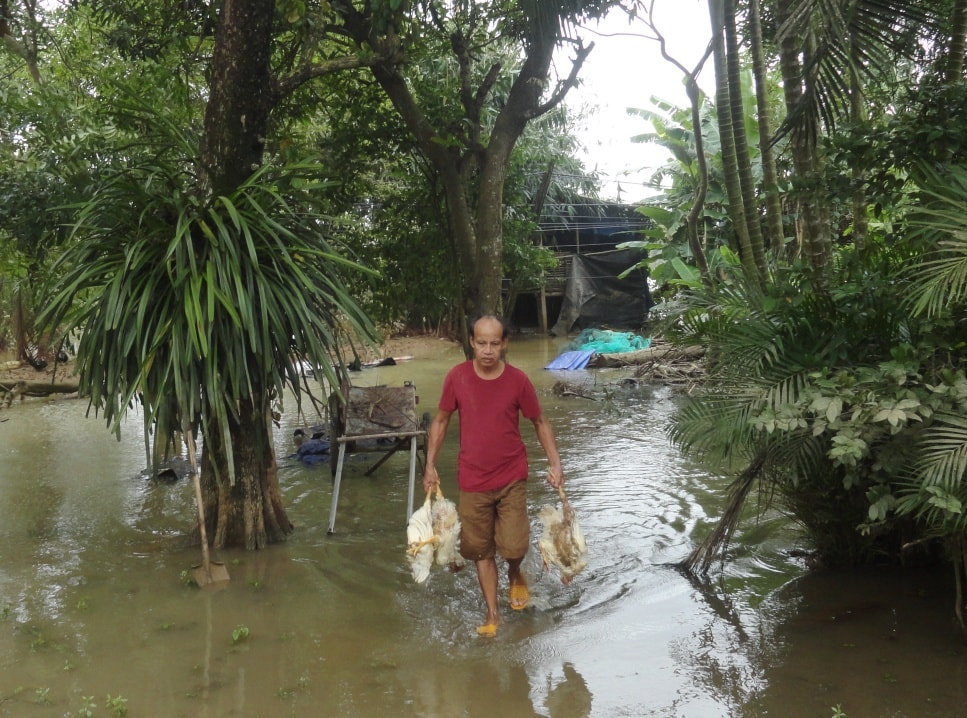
{"type": "Point", "coordinates": [555, 477]}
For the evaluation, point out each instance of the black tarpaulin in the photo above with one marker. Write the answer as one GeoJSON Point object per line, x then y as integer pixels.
{"type": "Point", "coordinates": [594, 296]}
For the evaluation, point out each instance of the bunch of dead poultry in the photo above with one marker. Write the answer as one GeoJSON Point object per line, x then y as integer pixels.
{"type": "Point", "coordinates": [562, 542]}
{"type": "Point", "coordinates": [433, 536]}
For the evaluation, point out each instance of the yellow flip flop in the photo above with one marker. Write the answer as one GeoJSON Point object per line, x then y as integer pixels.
{"type": "Point", "coordinates": [519, 596]}
{"type": "Point", "coordinates": [487, 630]}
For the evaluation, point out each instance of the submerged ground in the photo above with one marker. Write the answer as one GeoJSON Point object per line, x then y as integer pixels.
{"type": "Point", "coordinates": [94, 606]}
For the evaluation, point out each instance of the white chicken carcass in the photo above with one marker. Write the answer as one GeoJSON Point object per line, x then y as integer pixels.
{"type": "Point", "coordinates": [562, 542]}
{"type": "Point", "coordinates": [446, 529]}
{"type": "Point", "coordinates": [420, 541]}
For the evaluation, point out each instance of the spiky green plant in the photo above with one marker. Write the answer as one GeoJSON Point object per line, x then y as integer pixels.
{"type": "Point", "coordinates": [202, 308]}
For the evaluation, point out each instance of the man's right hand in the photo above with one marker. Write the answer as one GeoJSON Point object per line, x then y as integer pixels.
{"type": "Point", "coordinates": [430, 479]}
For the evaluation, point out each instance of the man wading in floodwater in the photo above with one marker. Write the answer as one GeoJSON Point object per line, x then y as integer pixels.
{"type": "Point", "coordinates": [492, 461]}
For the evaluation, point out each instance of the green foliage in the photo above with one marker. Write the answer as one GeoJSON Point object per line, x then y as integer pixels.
{"type": "Point", "coordinates": [670, 261]}
{"type": "Point", "coordinates": [207, 299]}
{"type": "Point", "coordinates": [849, 402]}
{"type": "Point", "coordinates": [939, 275]}
{"type": "Point", "coordinates": [395, 206]}
{"type": "Point", "coordinates": [870, 41]}
{"type": "Point", "coordinates": [678, 179]}
{"type": "Point", "coordinates": [401, 234]}
{"type": "Point", "coordinates": [64, 142]}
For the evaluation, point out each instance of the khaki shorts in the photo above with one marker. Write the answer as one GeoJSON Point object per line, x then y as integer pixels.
{"type": "Point", "coordinates": [493, 522]}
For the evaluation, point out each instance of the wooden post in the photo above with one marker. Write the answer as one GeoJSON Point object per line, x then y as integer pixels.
{"type": "Point", "coordinates": [543, 310]}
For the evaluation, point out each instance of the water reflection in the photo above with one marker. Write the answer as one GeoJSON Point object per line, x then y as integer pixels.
{"type": "Point", "coordinates": [568, 697]}
{"type": "Point", "coordinates": [92, 600]}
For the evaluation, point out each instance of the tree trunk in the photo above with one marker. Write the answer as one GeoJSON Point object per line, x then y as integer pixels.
{"type": "Point", "coordinates": [236, 118]}
{"type": "Point", "coordinates": [954, 65]}
{"type": "Point", "coordinates": [26, 50]}
{"type": "Point", "coordinates": [247, 512]}
{"type": "Point", "coordinates": [750, 204]}
{"type": "Point", "coordinates": [21, 389]}
{"type": "Point", "coordinates": [804, 145]}
{"type": "Point", "coordinates": [733, 188]}
{"type": "Point", "coordinates": [693, 222]}
{"type": "Point", "coordinates": [858, 115]}
{"type": "Point", "coordinates": [243, 506]}
{"type": "Point", "coordinates": [473, 170]}
{"type": "Point", "coordinates": [770, 176]}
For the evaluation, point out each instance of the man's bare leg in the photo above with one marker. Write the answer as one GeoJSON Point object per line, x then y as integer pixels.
{"type": "Point", "coordinates": [487, 577]}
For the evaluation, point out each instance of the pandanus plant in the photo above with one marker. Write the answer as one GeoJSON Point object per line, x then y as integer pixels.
{"type": "Point", "coordinates": [206, 309]}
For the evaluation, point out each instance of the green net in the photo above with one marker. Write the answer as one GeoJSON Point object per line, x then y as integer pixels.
{"type": "Point", "coordinates": [605, 341]}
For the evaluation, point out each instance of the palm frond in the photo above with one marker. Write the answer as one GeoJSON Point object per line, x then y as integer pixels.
{"type": "Point", "coordinates": [943, 459]}
{"type": "Point", "coordinates": [939, 278]}
{"type": "Point", "coordinates": [702, 556]}
{"type": "Point", "coordinates": [936, 493]}
{"type": "Point", "coordinates": [864, 38]}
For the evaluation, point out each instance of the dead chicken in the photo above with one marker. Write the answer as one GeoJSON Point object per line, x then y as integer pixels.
{"type": "Point", "coordinates": [446, 529]}
{"type": "Point", "coordinates": [562, 542]}
{"type": "Point", "coordinates": [420, 541]}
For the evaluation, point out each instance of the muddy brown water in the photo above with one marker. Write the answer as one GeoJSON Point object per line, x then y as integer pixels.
{"type": "Point", "coordinates": [95, 612]}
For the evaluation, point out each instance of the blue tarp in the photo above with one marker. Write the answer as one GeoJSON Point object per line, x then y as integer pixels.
{"type": "Point", "coordinates": [313, 451]}
{"type": "Point", "coordinates": [571, 360]}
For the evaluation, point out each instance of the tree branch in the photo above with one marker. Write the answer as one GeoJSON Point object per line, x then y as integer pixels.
{"type": "Point", "coordinates": [571, 81]}
{"type": "Point", "coordinates": [289, 84]}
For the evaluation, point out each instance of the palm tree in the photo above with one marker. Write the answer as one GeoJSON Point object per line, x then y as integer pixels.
{"type": "Point", "coordinates": [770, 175]}
{"type": "Point", "coordinates": [733, 150]}
{"type": "Point", "coordinates": [828, 52]}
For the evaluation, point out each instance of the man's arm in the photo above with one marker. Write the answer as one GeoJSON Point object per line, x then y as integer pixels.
{"type": "Point", "coordinates": [434, 440]}
{"type": "Point", "coordinates": [545, 435]}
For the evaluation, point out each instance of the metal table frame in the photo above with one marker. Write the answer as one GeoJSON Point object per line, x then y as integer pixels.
{"type": "Point", "coordinates": [359, 428]}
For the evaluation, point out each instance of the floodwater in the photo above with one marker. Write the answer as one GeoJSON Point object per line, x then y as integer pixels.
{"type": "Point", "coordinates": [96, 617]}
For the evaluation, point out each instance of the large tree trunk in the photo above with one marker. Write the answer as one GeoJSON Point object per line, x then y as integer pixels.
{"type": "Point", "coordinates": [237, 115]}
{"type": "Point", "coordinates": [522, 104]}
{"type": "Point", "coordinates": [247, 512]}
{"type": "Point", "coordinates": [243, 503]}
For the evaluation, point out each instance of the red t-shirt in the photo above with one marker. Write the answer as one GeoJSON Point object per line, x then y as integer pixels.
{"type": "Point", "coordinates": [492, 453]}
